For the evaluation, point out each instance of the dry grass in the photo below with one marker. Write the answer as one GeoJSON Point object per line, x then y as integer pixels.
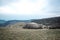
{"type": "Point", "coordinates": [29, 34]}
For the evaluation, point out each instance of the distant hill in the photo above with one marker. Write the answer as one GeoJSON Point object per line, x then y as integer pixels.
{"type": "Point", "coordinates": [16, 25]}
{"type": "Point", "coordinates": [47, 20]}
{"type": "Point", "coordinates": [13, 22]}
{"type": "Point", "coordinates": [54, 21]}
{"type": "Point", "coordinates": [2, 22]}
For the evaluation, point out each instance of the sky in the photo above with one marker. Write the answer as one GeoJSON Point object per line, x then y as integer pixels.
{"type": "Point", "coordinates": [28, 9]}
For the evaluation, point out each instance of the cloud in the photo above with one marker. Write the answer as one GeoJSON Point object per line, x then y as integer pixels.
{"type": "Point", "coordinates": [26, 17]}
{"type": "Point", "coordinates": [30, 9]}
{"type": "Point", "coordinates": [53, 6]}
{"type": "Point", "coordinates": [5, 2]}
{"type": "Point", "coordinates": [24, 7]}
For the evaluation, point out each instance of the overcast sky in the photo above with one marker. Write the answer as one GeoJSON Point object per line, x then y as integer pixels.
{"type": "Point", "coordinates": [28, 9]}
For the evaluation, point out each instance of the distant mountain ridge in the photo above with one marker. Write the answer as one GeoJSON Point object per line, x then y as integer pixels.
{"type": "Point", "coordinates": [12, 22]}
{"type": "Point", "coordinates": [54, 21]}
{"type": "Point", "coordinates": [2, 22]}
{"type": "Point", "coordinates": [15, 21]}
{"type": "Point", "coordinates": [47, 20]}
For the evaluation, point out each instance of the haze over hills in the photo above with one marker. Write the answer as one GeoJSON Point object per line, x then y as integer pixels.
{"type": "Point", "coordinates": [54, 21]}
{"type": "Point", "coordinates": [2, 22]}
{"type": "Point", "coordinates": [5, 23]}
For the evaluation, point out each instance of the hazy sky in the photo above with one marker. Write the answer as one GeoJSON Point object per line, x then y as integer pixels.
{"type": "Point", "coordinates": [29, 9]}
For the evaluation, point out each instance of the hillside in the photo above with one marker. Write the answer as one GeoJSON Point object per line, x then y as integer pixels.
{"type": "Point", "coordinates": [54, 21]}
{"type": "Point", "coordinates": [14, 30]}
{"type": "Point", "coordinates": [2, 23]}
{"type": "Point", "coordinates": [11, 22]}
{"type": "Point", "coordinates": [16, 25]}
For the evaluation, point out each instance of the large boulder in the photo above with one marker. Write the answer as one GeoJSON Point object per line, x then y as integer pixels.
{"type": "Point", "coordinates": [45, 27]}
{"type": "Point", "coordinates": [54, 26]}
{"type": "Point", "coordinates": [32, 25]}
